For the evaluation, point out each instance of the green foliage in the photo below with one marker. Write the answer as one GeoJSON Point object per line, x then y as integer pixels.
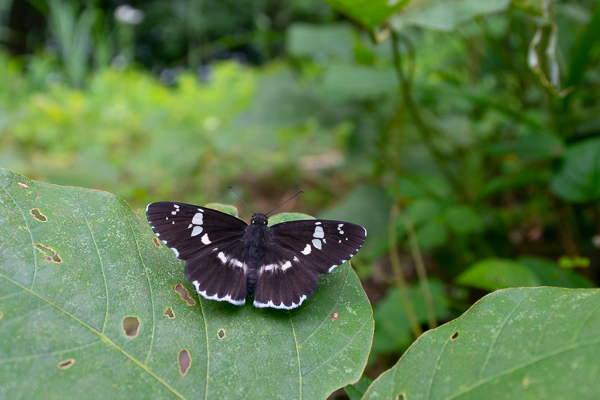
{"type": "Point", "coordinates": [515, 343]}
{"type": "Point", "coordinates": [114, 311]}
{"type": "Point", "coordinates": [452, 111]}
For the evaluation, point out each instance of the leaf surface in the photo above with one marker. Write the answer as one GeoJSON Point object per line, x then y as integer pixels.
{"type": "Point", "coordinates": [524, 343]}
{"type": "Point", "coordinates": [72, 287]}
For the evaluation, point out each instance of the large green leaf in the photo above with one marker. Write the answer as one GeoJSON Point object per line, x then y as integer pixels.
{"type": "Point", "coordinates": [78, 268]}
{"type": "Point", "coordinates": [579, 178]}
{"type": "Point", "coordinates": [526, 343]}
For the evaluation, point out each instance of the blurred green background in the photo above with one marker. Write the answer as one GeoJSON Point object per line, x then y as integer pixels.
{"type": "Point", "coordinates": [464, 135]}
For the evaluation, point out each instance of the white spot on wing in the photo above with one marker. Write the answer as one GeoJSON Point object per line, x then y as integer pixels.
{"type": "Point", "coordinates": [307, 250]}
{"type": "Point", "coordinates": [190, 225]}
{"type": "Point", "coordinates": [317, 243]}
{"type": "Point", "coordinates": [270, 267]}
{"type": "Point", "coordinates": [222, 257]}
{"type": "Point", "coordinates": [237, 263]}
{"type": "Point", "coordinates": [332, 268]}
{"type": "Point", "coordinates": [196, 231]}
{"type": "Point", "coordinates": [197, 220]}
{"type": "Point", "coordinates": [317, 223]}
{"type": "Point", "coordinates": [173, 212]}
{"type": "Point", "coordinates": [147, 207]}
{"type": "Point", "coordinates": [319, 232]}
{"type": "Point", "coordinates": [286, 265]}
{"type": "Point", "coordinates": [296, 259]}
{"type": "Point", "coordinates": [205, 239]}
{"type": "Point", "coordinates": [175, 251]}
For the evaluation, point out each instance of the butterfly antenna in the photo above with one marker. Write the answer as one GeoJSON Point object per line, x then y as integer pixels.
{"type": "Point", "coordinates": [238, 196]}
{"type": "Point", "coordinates": [300, 191]}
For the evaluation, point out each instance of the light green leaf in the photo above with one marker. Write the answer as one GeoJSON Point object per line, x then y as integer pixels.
{"type": "Point", "coordinates": [358, 82]}
{"type": "Point", "coordinates": [446, 15]}
{"type": "Point", "coordinates": [493, 274]}
{"type": "Point", "coordinates": [579, 178]}
{"type": "Point", "coordinates": [525, 343]}
{"type": "Point", "coordinates": [306, 40]}
{"type": "Point", "coordinates": [88, 310]}
{"type": "Point", "coordinates": [368, 13]}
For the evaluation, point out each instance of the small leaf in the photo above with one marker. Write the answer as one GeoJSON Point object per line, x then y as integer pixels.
{"type": "Point", "coordinates": [493, 274]}
{"type": "Point", "coordinates": [368, 13]}
{"type": "Point", "coordinates": [118, 318]}
{"type": "Point", "coordinates": [525, 343]}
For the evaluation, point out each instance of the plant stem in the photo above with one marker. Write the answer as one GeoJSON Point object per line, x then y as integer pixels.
{"type": "Point", "coordinates": [396, 267]}
{"type": "Point", "coordinates": [420, 266]}
{"type": "Point", "coordinates": [424, 130]}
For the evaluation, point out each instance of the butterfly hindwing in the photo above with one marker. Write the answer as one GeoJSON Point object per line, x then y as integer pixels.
{"type": "Point", "coordinates": [300, 250]}
{"type": "Point", "coordinates": [220, 274]}
{"type": "Point", "coordinates": [283, 281]}
{"type": "Point", "coordinates": [191, 231]}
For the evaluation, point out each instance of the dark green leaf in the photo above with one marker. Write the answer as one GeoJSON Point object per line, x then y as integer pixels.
{"type": "Point", "coordinates": [356, 391]}
{"type": "Point", "coordinates": [550, 274]}
{"type": "Point", "coordinates": [587, 39]}
{"type": "Point", "coordinates": [579, 178]}
{"type": "Point", "coordinates": [525, 343]}
{"type": "Point", "coordinates": [89, 310]}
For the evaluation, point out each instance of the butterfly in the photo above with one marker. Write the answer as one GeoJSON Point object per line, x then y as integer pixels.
{"type": "Point", "coordinates": [229, 260]}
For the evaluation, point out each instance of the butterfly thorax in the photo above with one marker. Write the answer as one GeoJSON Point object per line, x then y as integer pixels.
{"type": "Point", "coordinates": [256, 240]}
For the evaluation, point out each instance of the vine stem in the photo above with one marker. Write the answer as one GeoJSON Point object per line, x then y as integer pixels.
{"type": "Point", "coordinates": [397, 268]}
{"type": "Point", "coordinates": [420, 267]}
{"type": "Point", "coordinates": [424, 130]}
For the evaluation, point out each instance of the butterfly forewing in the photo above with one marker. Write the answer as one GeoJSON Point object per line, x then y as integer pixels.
{"type": "Point", "coordinates": [191, 231]}
{"type": "Point", "coordinates": [320, 245]}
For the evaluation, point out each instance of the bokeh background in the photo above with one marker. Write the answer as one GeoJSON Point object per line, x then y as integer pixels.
{"type": "Point", "coordinates": [464, 135]}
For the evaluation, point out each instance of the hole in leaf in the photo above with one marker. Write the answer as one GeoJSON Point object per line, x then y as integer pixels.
{"type": "Point", "coordinates": [183, 293]}
{"type": "Point", "coordinates": [184, 361]}
{"type": "Point", "coordinates": [454, 335]}
{"type": "Point", "coordinates": [23, 184]}
{"type": "Point", "coordinates": [401, 396]}
{"type": "Point", "coordinates": [335, 316]}
{"type": "Point", "coordinates": [37, 214]}
{"type": "Point", "coordinates": [156, 242]}
{"type": "Point", "coordinates": [169, 313]}
{"type": "Point", "coordinates": [49, 253]}
{"type": "Point", "coordinates": [221, 333]}
{"type": "Point", "coordinates": [131, 326]}
{"type": "Point", "coordinates": [66, 364]}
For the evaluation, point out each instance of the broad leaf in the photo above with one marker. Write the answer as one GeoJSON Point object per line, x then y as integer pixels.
{"type": "Point", "coordinates": [92, 306]}
{"type": "Point", "coordinates": [526, 343]}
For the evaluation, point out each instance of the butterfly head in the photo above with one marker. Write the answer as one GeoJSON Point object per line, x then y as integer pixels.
{"type": "Point", "coordinates": [259, 220]}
